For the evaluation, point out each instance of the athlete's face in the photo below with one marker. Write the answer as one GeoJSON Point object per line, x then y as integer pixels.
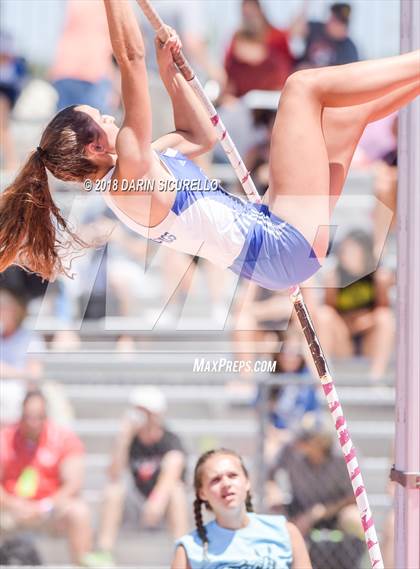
{"type": "Point", "coordinates": [107, 128]}
{"type": "Point", "coordinates": [224, 484]}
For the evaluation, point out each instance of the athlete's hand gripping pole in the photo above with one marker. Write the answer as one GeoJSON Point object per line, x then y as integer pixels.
{"type": "Point", "coordinates": [222, 134]}
{"type": "Point", "coordinates": [296, 298]}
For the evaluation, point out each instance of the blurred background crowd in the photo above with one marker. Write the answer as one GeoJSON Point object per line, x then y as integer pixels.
{"type": "Point", "coordinates": [102, 416]}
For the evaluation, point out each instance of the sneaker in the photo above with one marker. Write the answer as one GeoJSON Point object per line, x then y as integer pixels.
{"type": "Point", "coordinates": [98, 559]}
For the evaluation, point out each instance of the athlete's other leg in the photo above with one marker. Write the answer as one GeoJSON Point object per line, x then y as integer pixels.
{"type": "Point", "coordinates": [299, 164]}
{"type": "Point", "coordinates": [343, 128]}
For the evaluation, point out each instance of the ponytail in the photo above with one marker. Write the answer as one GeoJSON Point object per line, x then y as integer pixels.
{"type": "Point", "coordinates": [30, 222]}
{"type": "Point", "coordinates": [33, 232]}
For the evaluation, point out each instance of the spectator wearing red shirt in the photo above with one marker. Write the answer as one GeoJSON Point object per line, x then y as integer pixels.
{"type": "Point", "coordinates": [258, 56]}
{"type": "Point", "coordinates": [41, 476]}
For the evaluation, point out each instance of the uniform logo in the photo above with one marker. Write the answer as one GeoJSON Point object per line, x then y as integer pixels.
{"type": "Point", "coordinates": [165, 238]}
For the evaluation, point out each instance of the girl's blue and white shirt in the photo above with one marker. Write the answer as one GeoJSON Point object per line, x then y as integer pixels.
{"type": "Point", "coordinates": [227, 230]}
{"type": "Point", "coordinates": [263, 544]}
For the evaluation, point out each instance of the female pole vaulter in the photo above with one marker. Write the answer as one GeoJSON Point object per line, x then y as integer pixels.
{"type": "Point", "coordinates": [320, 119]}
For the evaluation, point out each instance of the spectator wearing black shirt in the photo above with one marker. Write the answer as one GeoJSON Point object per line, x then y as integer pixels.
{"type": "Point", "coordinates": [357, 318]}
{"type": "Point", "coordinates": [326, 43]}
{"type": "Point", "coordinates": [156, 460]}
{"type": "Point", "coordinates": [322, 499]}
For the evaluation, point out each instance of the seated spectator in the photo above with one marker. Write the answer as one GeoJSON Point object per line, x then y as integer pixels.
{"type": "Point", "coordinates": [77, 78]}
{"type": "Point", "coordinates": [257, 157]}
{"type": "Point", "coordinates": [19, 551]}
{"type": "Point", "coordinates": [258, 56]}
{"type": "Point", "coordinates": [18, 368]}
{"type": "Point", "coordinates": [156, 460]}
{"type": "Point", "coordinates": [12, 76]}
{"type": "Point", "coordinates": [20, 364]}
{"type": "Point", "coordinates": [28, 286]}
{"type": "Point", "coordinates": [292, 405]}
{"type": "Point", "coordinates": [385, 187]}
{"type": "Point", "coordinates": [325, 43]}
{"type": "Point", "coordinates": [357, 317]}
{"type": "Point", "coordinates": [41, 477]}
{"type": "Point", "coordinates": [258, 314]}
{"type": "Point", "coordinates": [321, 497]}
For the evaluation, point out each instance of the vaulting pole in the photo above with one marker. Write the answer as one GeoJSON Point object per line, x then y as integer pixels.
{"type": "Point", "coordinates": [296, 298]}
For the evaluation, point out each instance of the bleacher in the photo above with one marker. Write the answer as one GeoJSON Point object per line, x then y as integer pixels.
{"type": "Point", "coordinates": [205, 413]}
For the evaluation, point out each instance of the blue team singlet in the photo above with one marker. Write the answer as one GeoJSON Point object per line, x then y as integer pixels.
{"type": "Point", "coordinates": [227, 230]}
{"type": "Point", "coordinates": [263, 544]}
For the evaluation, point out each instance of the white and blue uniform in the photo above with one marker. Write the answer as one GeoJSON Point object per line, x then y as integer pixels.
{"type": "Point", "coordinates": [263, 544]}
{"type": "Point", "coordinates": [227, 230]}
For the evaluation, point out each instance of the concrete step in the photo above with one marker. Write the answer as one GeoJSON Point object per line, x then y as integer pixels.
{"type": "Point", "coordinates": [98, 435]}
{"type": "Point", "coordinates": [110, 400]}
{"type": "Point", "coordinates": [375, 471]}
{"type": "Point", "coordinates": [370, 439]}
{"type": "Point", "coordinates": [142, 549]}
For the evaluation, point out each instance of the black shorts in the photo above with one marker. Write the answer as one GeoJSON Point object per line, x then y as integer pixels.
{"type": "Point", "coordinates": [10, 92]}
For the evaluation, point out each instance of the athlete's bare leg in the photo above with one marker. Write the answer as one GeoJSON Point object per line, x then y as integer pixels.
{"type": "Point", "coordinates": [299, 162]}
{"type": "Point", "coordinates": [343, 127]}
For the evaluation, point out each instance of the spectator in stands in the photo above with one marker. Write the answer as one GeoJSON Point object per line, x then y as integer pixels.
{"type": "Point", "coordinates": [41, 477]}
{"type": "Point", "coordinates": [18, 368]}
{"type": "Point", "coordinates": [357, 316]}
{"type": "Point", "coordinates": [28, 286]}
{"type": "Point", "coordinates": [325, 43]}
{"type": "Point", "coordinates": [189, 21]}
{"type": "Point", "coordinates": [258, 56]}
{"type": "Point", "coordinates": [257, 157]}
{"type": "Point", "coordinates": [77, 78]}
{"type": "Point", "coordinates": [385, 187]}
{"type": "Point", "coordinates": [12, 76]}
{"type": "Point", "coordinates": [259, 315]}
{"type": "Point", "coordinates": [294, 404]}
{"type": "Point", "coordinates": [321, 496]}
{"type": "Point", "coordinates": [20, 362]}
{"type": "Point", "coordinates": [157, 462]}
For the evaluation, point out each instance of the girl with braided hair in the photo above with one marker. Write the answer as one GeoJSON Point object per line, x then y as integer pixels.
{"type": "Point", "coordinates": [237, 538]}
{"type": "Point", "coordinates": [157, 190]}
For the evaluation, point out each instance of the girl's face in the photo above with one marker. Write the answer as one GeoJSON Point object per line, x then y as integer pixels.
{"type": "Point", "coordinates": [224, 484]}
{"type": "Point", "coordinates": [11, 313]}
{"type": "Point", "coordinates": [352, 257]}
{"type": "Point", "coordinates": [291, 356]}
{"type": "Point", "coordinates": [107, 128]}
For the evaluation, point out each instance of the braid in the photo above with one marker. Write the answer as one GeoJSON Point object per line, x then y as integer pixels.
{"type": "Point", "coordinates": [248, 503]}
{"type": "Point", "coordinates": [201, 530]}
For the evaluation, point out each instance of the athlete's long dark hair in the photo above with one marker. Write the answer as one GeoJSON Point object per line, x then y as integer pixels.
{"type": "Point", "coordinates": [198, 503]}
{"type": "Point", "coordinates": [32, 229]}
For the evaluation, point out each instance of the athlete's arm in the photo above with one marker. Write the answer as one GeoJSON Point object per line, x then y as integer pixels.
{"type": "Point", "coordinates": [194, 133]}
{"type": "Point", "coordinates": [180, 560]}
{"type": "Point", "coordinates": [300, 553]}
{"type": "Point", "coordinates": [133, 144]}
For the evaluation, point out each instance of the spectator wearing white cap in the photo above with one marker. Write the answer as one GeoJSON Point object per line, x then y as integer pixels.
{"type": "Point", "coordinates": [156, 461]}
